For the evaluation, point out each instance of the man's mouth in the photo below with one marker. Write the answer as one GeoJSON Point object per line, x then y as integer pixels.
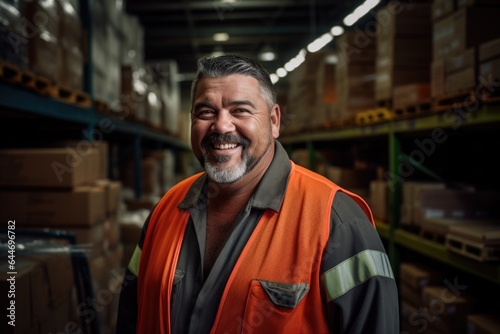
{"type": "Point", "coordinates": [224, 146]}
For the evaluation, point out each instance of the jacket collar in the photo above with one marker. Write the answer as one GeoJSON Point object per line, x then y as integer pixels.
{"type": "Point", "coordinates": [268, 195]}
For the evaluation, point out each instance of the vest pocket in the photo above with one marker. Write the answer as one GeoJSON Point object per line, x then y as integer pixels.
{"type": "Point", "coordinates": [273, 307]}
{"type": "Point", "coordinates": [285, 294]}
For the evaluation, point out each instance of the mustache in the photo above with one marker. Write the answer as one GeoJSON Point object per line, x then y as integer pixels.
{"type": "Point", "coordinates": [227, 137]}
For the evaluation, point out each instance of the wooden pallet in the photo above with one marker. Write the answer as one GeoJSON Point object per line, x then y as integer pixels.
{"type": "Point", "coordinates": [488, 97]}
{"type": "Point", "coordinates": [102, 107]}
{"type": "Point", "coordinates": [479, 240]}
{"type": "Point", "coordinates": [387, 103]}
{"type": "Point", "coordinates": [10, 73]}
{"type": "Point", "coordinates": [412, 109]}
{"type": "Point", "coordinates": [371, 116]}
{"type": "Point", "coordinates": [458, 100]}
{"type": "Point", "coordinates": [473, 249]}
{"type": "Point", "coordinates": [432, 235]}
{"type": "Point", "coordinates": [70, 95]}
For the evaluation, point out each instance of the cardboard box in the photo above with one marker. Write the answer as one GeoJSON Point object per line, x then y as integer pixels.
{"type": "Point", "coordinates": [411, 94]}
{"type": "Point", "coordinates": [447, 304]}
{"type": "Point", "coordinates": [58, 274]}
{"type": "Point", "coordinates": [112, 232]}
{"type": "Point", "coordinates": [51, 167]}
{"type": "Point", "coordinates": [441, 8]}
{"type": "Point", "coordinates": [410, 295]}
{"type": "Point", "coordinates": [411, 190]}
{"type": "Point", "coordinates": [490, 70]}
{"type": "Point", "coordinates": [112, 190]}
{"type": "Point", "coordinates": [418, 276]}
{"type": "Point", "coordinates": [459, 31]}
{"type": "Point", "coordinates": [81, 206]}
{"type": "Point", "coordinates": [379, 199]}
{"type": "Point", "coordinates": [489, 50]}
{"type": "Point", "coordinates": [437, 77]}
{"type": "Point", "coordinates": [350, 178]}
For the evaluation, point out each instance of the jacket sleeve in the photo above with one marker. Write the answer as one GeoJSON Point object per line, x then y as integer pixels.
{"type": "Point", "coordinates": [126, 322]}
{"type": "Point", "coordinates": [360, 292]}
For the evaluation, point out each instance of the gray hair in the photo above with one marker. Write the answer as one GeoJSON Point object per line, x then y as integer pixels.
{"type": "Point", "coordinates": [218, 67]}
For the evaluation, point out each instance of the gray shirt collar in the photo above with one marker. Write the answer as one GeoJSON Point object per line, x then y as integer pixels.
{"type": "Point", "coordinates": [269, 193]}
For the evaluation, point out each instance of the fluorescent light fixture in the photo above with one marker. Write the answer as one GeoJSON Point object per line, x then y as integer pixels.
{"type": "Point", "coordinates": [296, 61]}
{"type": "Point", "coordinates": [360, 11]}
{"type": "Point", "coordinates": [331, 59]}
{"type": "Point", "coordinates": [320, 42]}
{"type": "Point", "coordinates": [281, 72]}
{"type": "Point", "coordinates": [152, 99]}
{"type": "Point", "coordinates": [274, 78]}
{"type": "Point", "coordinates": [221, 37]}
{"type": "Point", "coordinates": [267, 54]}
{"type": "Point", "coordinates": [337, 31]}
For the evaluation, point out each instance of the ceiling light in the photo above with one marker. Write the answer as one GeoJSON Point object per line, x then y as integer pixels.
{"type": "Point", "coordinates": [281, 72]}
{"type": "Point", "coordinates": [274, 78]}
{"type": "Point", "coordinates": [360, 11]}
{"type": "Point", "coordinates": [337, 31]}
{"type": "Point", "coordinates": [266, 54]}
{"type": "Point", "coordinates": [221, 37]}
{"type": "Point", "coordinates": [296, 61]}
{"type": "Point", "coordinates": [320, 42]}
{"type": "Point", "coordinates": [331, 59]}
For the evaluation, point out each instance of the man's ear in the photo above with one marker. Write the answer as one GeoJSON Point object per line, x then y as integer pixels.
{"type": "Point", "coordinates": [275, 121]}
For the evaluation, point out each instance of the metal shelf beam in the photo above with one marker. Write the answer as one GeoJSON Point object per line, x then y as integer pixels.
{"type": "Point", "coordinates": [439, 252]}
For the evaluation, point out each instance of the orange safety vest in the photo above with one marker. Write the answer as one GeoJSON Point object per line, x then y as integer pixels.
{"type": "Point", "coordinates": [285, 247]}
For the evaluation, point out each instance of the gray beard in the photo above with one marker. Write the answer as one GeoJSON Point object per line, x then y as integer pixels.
{"type": "Point", "coordinates": [224, 175]}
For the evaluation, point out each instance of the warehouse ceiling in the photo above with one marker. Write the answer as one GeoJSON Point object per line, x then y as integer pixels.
{"type": "Point", "coordinates": [183, 30]}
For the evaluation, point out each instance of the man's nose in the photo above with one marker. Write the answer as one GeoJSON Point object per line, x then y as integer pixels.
{"type": "Point", "coordinates": [223, 123]}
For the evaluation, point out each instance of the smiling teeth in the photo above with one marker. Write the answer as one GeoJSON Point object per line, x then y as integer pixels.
{"type": "Point", "coordinates": [224, 146]}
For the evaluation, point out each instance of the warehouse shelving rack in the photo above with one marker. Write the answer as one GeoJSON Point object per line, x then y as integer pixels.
{"type": "Point", "coordinates": [30, 106]}
{"type": "Point", "coordinates": [391, 131]}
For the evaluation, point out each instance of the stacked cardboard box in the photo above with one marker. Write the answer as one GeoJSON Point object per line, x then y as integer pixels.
{"type": "Point", "coordinates": [430, 303]}
{"type": "Point", "coordinates": [66, 188]}
{"type": "Point", "coordinates": [483, 323]}
{"type": "Point", "coordinates": [303, 108]}
{"type": "Point", "coordinates": [403, 48]}
{"type": "Point", "coordinates": [379, 199]}
{"type": "Point", "coordinates": [489, 69]}
{"type": "Point", "coordinates": [410, 193]}
{"type": "Point", "coordinates": [355, 76]}
{"type": "Point", "coordinates": [414, 278]}
{"type": "Point", "coordinates": [12, 37]}
{"type": "Point", "coordinates": [44, 292]}
{"type": "Point", "coordinates": [457, 37]}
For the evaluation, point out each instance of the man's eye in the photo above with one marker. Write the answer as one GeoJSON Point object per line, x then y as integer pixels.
{"type": "Point", "coordinates": [239, 111]}
{"type": "Point", "coordinates": [205, 114]}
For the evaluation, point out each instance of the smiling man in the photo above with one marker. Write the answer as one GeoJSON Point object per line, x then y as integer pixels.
{"type": "Point", "coordinates": [255, 244]}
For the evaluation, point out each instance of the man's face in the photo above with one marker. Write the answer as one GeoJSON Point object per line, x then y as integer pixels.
{"type": "Point", "coordinates": [232, 128]}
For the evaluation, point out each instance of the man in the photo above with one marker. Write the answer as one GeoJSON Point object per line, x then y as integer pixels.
{"type": "Point", "coordinates": [255, 244]}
